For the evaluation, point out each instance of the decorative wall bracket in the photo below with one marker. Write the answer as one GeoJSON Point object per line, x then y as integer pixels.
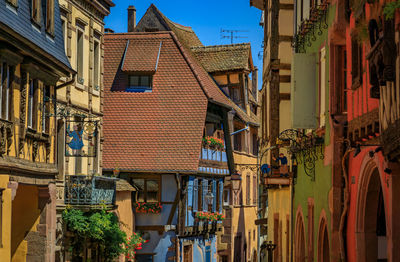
{"type": "Point", "coordinates": [306, 149]}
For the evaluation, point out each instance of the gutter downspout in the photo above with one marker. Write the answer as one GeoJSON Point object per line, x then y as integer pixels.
{"type": "Point", "coordinates": [70, 82]}
{"type": "Point", "coordinates": [345, 206]}
{"type": "Point", "coordinates": [291, 216]}
{"type": "Point", "coordinates": [177, 246]}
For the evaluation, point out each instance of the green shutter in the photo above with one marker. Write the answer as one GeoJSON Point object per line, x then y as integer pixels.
{"type": "Point", "coordinates": [304, 91]}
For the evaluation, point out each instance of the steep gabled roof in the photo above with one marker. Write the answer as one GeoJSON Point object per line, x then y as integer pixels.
{"type": "Point", "coordinates": [221, 58]}
{"type": "Point", "coordinates": [159, 131]}
{"type": "Point", "coordinates": [184, 33]}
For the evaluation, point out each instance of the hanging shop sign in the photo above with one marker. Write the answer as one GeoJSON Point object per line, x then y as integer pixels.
{"type": "Point", "coordinates": [81, 138]}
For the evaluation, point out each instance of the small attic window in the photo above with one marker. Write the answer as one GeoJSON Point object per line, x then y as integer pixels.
{"type": "Point", "coordinates": [139, 83]}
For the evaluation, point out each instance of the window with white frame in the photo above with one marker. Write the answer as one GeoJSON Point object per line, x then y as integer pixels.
{"type": "Point", "coordinates": [6, 76]}
{"type": "Point", "coordinates": [46, 110]}
{"type": "Point", "coordinates": [31, 104]}
{"type": "Point", "coordinates": [96, 65]}
{"type": "Point", "coordinates": [79, 52]}
{"type": "Point", "coordinates": [64, 24]}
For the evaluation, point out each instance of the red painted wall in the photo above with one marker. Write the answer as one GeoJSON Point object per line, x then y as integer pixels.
{"type": "Point", "coordinates": [359, 103]}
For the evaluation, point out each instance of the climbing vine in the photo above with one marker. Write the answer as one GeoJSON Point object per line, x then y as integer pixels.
{"type": "Point", "coordinates": [390, 9]}
{"type": "Point", "coordinates": [99, 228]}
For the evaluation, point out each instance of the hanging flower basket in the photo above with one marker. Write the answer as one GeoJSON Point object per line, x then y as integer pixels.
{"type": "Point", "coordinates": [152, 208]}
{"type": "Point", "coordinates": [209, 216]}
{"type": "Point", "coordinates": [213, 142]}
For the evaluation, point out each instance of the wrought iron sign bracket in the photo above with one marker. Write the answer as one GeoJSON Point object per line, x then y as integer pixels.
{"type": "Point", "coordinates": [306, 148]}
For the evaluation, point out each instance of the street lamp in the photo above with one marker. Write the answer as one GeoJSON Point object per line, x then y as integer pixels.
{"type": "Point", "coordinates": [236, 181]}
{"type": "Point", "coordinates": [270, 247]}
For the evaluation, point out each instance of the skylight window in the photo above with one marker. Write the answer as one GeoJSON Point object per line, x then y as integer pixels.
{"type": "Point", "coordinates": [139, 83]}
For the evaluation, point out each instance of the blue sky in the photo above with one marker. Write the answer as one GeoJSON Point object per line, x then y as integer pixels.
{"type": "Point", "coordinates": [206, 17]}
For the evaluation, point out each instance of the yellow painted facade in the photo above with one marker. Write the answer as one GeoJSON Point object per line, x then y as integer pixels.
{"type": "Point", "coordinates": [275, 118]}
{"type": "Point", "coordinates": [28, 155]}
{"type": "Point", "coordinates": [279, 221]}
{"type": "Point", "coordinates": [84, 95]}
{"type": "Point", "coordinates": [244, 209]}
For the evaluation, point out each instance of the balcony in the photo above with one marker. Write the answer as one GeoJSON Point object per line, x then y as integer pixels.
{"type": "Point", "coordinates": [364, 127]}
{"type": "Point", "coordinates": [82, 190]}
{"type": "Point", "coordinates": [276, 179]}
{"type": "Point", "coordinates": [389, 116]}
{"type": "Point", "coordinates": [213, 160]}
{"type": "Point", "coordinates": [203, 228]}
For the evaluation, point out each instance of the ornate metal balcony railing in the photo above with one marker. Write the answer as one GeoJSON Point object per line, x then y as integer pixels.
{"type": "Point", "coordinates": [307, 29]}
{"type": "Point", "coordinates": [85, 190]}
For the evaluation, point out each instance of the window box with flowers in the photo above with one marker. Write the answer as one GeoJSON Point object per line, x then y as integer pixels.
{"type": "Point", "coordinates": [209, 216]}
{"type": "Point", "coordinates": [149, 208]}
{"type": "Point", "coordinates": [213, 142]}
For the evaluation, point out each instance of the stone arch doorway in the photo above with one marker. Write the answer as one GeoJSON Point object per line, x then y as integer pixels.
{"type": "Point", "coordinates": [371, 235]}
{"type": "Point", "coordinates": [300, 248]}
{"type": "Point", "coordinates": [323, 242]}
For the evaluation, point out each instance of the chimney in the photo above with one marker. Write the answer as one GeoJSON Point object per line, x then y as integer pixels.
{"type": "Point", "coordinates": [131, 18]}
{"type": "Point", "coordinates": [255, 83]}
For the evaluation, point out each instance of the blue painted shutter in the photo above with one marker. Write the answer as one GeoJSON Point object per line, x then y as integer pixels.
{"type": "Point", "coordinates": [189, 217]}
{"type": "Point", "coordinates": [205, 190]}
{"type": "Point", "coordinates": [190, 192]}
{"type": "Point", "coordinates": [214, 191]}
{"type": "Point", "coordinates": [195, 195]}
{"type": "Point", "coordinates": [221, 193]}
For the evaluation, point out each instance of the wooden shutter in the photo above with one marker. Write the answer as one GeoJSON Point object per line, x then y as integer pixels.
{"type": "Point", "coordinates": [303, 91]}
{"type": "Point", "coordinates": [254, 190]}
{"type": "Point", "coordinates": [195, 194]}
{"type": "Point", "coordinates": [214, 191]}
{"type": "Point", "coordinates": [205, 191]}
{"type": "Point", "coordinates": [248, 190]}
{"type": "Point", "coordinates": [221, 192]}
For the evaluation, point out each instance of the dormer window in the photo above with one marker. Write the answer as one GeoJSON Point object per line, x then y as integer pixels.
{"type": "Point", "coordinates": [139, 83]}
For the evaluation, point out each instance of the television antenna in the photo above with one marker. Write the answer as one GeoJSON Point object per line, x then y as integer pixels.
{"type": "Point", "coordinates": [232, 34]}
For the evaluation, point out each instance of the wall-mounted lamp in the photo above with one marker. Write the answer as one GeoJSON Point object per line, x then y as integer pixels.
{"type": "Point", "coordinates": [387, 171]}
{"type": "Point", "coordinates": [371, 153]}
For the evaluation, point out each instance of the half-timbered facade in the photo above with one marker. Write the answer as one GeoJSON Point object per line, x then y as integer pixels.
{"type": "Point", "coordinates": [32, 60]}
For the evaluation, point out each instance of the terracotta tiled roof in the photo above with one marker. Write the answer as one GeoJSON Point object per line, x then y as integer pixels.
{"type": "Point", "coordinates": [123, 185]}
{"type": "Point", "coordinates": [160, 130]}
{"type": "Point", "coordinates": [185, 33]}
{"type": "Point", "coordinates": [224, 57]}
{"type": "Point", "coordinates": [141, 56]}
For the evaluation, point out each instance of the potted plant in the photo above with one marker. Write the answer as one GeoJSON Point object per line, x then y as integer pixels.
{"type": "Point", "coordinates": [116, 171]}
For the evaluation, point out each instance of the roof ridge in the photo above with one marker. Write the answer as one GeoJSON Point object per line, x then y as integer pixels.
{"type": "Point", "coordinates": [190, 63]}
{"type": "Point", "coordinates": [222, 46]}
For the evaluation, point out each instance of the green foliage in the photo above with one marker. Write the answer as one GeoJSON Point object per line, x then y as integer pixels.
{"type": "Point", "coordinates": [390, 9]}
{"type": "Point", "coordinates": [98, 227]}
